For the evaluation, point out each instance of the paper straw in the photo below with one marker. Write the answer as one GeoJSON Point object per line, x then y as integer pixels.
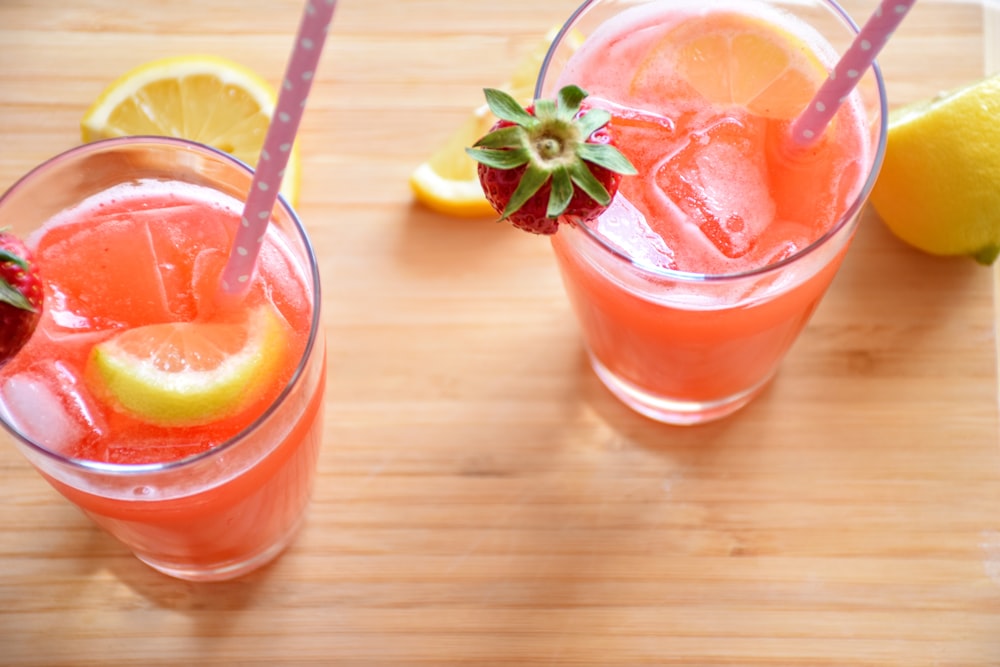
{"type": "Point", "coordinates": [846, 75]}
{"type": "Point", "coordinates": [277, 145]}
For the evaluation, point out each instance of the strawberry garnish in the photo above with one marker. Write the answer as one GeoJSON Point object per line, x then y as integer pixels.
{"type": "Point", "coordinates": [554, 161]}
{"type": "Point", "coordinates": [20, 296]}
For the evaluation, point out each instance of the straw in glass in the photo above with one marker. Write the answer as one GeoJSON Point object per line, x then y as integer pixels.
{"type": "Point", "coordinates": [274, 154]}
{"type": "Point", "coordinates": [809, 126]}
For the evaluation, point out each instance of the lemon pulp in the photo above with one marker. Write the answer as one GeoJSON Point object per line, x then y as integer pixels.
{"type": "Point", "coordinates": [202, 98]}
{"type": "Point", "coordinates": [188, 373]}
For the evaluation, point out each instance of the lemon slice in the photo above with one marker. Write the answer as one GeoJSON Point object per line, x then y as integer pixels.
{"type": "Point", "coordinates": [202, 98]}
{"type": "Point", "coordinates": [730, 58]}
{"type": "Point", "coordinates": [447, 181]}
{"type": "Point", "coordinates": [187, 373]}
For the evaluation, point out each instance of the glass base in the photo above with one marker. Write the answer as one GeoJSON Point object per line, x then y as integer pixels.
{"type": "Point", "coordinates": [668, 410]}
{"type": "Point", "coordinates": [227, 569]}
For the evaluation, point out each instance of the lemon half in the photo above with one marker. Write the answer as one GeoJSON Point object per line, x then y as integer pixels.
{"type": "Point", "coordinates": [939, 187]}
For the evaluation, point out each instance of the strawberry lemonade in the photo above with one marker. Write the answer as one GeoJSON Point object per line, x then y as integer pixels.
{"type": "Point", "coordinates": [698, 278]}
{"type": "Point", "coordinates": [187, 427]}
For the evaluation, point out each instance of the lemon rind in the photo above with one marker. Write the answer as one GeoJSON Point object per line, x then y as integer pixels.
{"type": "Point", "coordinates": [95, 122]}
{"type": "Point", "coordinates": [193, 397]}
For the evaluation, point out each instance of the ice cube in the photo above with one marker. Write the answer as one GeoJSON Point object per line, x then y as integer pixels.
{"type": "Point", "coordinates": [47, 405]}
{"type": "Point", "coordinates": [780, 240]}
{"type": "Point", "coordinates": [719, 180]}
{"type": "Point", "coordinates": [625, 227]}
{"type": "Point", "coordinates": [33, 407]}
{"type": "Point", "coordinates": [108, 274]}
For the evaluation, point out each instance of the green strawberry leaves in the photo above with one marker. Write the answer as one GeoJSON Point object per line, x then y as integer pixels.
{"type": "Point", "coordinates": [8, 256]}
{"type": "Point", "coordinates": [8, 294]}
{"type": "Point", "coordinates": [552, 146]}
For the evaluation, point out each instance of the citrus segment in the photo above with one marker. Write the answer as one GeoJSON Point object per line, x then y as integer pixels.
{"type": "Point", "coordinates": [734, 59]}
{"type": "Point", "coordinates": [202, 98]}
{"type": "Point", "coordinates": [187, 373]}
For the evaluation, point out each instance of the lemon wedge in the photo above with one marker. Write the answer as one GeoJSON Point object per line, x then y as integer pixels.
{"type": "Point", "coordinates": [202, 98]}
{"type": "Point", "coordinates": [188, 373]}
{"type": "Point", "coordinates": [448, 181]}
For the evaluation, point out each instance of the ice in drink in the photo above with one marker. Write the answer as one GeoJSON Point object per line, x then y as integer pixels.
{"type": "Point", "coordinates": [695, 282]}
{"type": "Point", "coordinates": [186, 426]}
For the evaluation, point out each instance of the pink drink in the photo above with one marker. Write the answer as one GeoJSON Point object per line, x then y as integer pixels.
{"type": "Point", "coordinates": [699, 277]}
{"type": "Point", "coordinates": [139, 254]}
{"type": "Point", "coordinates": [133, 239]}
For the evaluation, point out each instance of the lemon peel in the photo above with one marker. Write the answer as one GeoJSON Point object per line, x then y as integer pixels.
{"type": "Point", "coordinates": [939, 186]}
{"type": "Point", "coordinates": [159, 372]}
{"type": "Point", "coordinates": [203, 98]}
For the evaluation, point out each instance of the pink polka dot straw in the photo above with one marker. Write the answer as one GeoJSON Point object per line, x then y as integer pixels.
{"type": "Point", "coordinates": [277, 145]}
{"type": "Point", "coordinates": [848, 71]}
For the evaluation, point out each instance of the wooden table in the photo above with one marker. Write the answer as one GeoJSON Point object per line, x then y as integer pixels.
{"type": "Point", "coordinates": [481, 498]}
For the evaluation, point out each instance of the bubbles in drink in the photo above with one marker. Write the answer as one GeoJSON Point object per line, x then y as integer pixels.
{"type": "Point", "coordinates": [719, 180]}
{"type": "Point", "coordinates": [111, 264]}
{"type": "Point", "coordinates": [147, 239]}
{"type": "Point", "coordinates": [138, 450]}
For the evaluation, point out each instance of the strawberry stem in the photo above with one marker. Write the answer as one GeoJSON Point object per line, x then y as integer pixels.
{"type": "Point", "coordinates": [550, 141]}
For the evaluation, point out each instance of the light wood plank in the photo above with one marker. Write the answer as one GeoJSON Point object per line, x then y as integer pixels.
{"type": "Point", "coordinates": [481, 499]}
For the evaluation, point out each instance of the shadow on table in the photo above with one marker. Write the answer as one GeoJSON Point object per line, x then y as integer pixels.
{"type": "Point", "coordinates": [432, 244]}
{"type": "Point", "coordinates": [177, 595]}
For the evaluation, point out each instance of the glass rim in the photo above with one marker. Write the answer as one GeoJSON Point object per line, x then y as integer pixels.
{"type": "Point", "coordinates": [129, 469]}
{"type": "Point", "coordinates": [851, 213]}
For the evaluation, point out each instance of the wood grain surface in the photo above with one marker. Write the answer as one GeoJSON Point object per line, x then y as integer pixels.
{"type": "Point", "coordinates": [481, 499]}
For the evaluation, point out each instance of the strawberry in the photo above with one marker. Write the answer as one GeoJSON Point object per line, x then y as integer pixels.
{"type": "Point", "coordinates": [554, 161]}
{"type": "Point", "coordinates": [20, 296]}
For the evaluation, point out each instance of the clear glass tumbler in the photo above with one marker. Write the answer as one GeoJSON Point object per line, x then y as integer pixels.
{"type": "Point", "coordinates": [213, 515]}
{"type": "Point", "coordinates": [677, 346]}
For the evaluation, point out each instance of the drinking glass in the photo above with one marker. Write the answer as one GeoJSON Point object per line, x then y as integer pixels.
{"type": "Point", "coordinates": [231, 509]}
{"type": "Point", "coordinates": [686, 348]}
